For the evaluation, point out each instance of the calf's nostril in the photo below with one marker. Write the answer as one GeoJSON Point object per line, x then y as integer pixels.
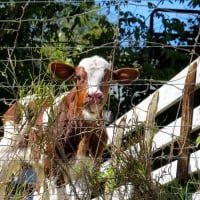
{"type": "Point", "coordinates": [95, 97]}
{"type": "Point", "coordinates": [98, 96]}
{"type": "Point", "coordinates": [89, 96]}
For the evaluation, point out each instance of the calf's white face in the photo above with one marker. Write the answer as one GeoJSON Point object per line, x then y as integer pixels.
{"type": "Point", "coordinates": [94, 73]}
{"type": "Point", "coordinates": [95, 68]}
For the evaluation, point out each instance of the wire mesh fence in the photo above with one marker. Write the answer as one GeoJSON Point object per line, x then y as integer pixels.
{"type": "Point", "coordinates": [35, 33]}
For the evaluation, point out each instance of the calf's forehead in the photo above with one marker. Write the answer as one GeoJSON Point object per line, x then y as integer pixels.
{"type": "Point", "coordinates": [95, 68]}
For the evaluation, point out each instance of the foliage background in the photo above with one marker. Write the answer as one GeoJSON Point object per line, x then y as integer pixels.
{"type": "Point", "coordinates": [33, 33]}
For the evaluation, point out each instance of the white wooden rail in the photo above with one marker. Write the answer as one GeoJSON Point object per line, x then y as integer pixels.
{"type": "Point", "coordinates": [169, 94]}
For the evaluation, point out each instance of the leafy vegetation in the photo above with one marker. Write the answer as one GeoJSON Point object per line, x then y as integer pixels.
{"type": "Point", "coordinates": [34, 33]}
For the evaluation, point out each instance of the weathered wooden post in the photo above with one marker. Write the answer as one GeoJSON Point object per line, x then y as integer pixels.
{"type": "Point", "coordinates": [186, 124]}
{"type": "Point", "coordinates": [150, 130]}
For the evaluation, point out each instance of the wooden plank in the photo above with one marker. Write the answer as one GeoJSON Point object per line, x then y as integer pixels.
{"type": "Point", "coordinates": [150, 123]}
{"type": "Point", "coordinates": [186, 124]}
{"type": "Point", "coordinates": [194, 162]}
{"type": "Point", "coordinates": [171, 132]}
{"type": "Point", "coordinates": [150, 131]}
{"type": "Point", "coordinates": [167, 173]}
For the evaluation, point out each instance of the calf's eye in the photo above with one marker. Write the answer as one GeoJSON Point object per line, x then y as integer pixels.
{"type": "Point", "coordinates": [78, 77]}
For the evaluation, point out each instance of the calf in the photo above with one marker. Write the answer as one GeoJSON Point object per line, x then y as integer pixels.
{"type": "Point", "coordinates": [71, 126]}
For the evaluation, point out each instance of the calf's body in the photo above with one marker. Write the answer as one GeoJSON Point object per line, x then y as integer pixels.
{"type": "Point", "coordinates": [71, 126]}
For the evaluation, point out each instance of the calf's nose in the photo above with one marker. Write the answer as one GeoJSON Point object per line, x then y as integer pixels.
{"type": "Point", "coordinates": [96, 97]}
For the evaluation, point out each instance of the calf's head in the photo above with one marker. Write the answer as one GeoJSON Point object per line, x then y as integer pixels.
{"type": "Point", "coordinates": [93, 77]}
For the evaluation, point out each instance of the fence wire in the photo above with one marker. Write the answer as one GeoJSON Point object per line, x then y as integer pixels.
{"type": "Point", "coordinates": [123, 167]}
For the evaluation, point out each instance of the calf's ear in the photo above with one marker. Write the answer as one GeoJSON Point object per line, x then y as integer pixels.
{"type": "Point", "coordinates": [61, 70]}
{"type": "Point", "coordinates": [125, 75]}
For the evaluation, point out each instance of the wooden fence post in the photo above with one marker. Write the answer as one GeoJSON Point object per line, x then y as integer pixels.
{"type": "Point", "coordinates": [186, 125]}
{"type": "Point", "coordinates": [150, 130]}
